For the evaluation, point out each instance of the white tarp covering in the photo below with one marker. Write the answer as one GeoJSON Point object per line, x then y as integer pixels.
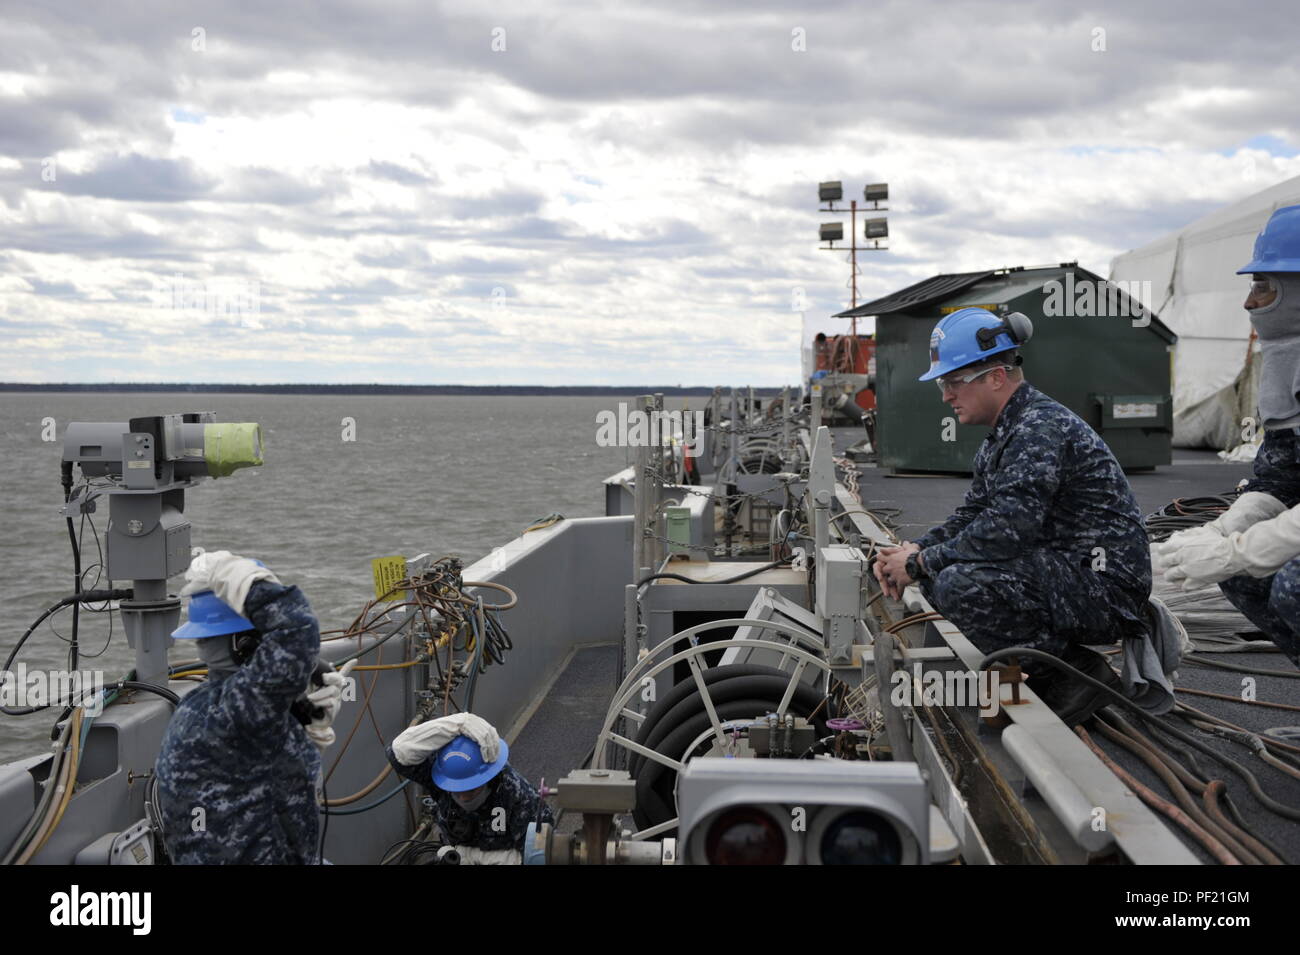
{"type": "Point", "coordinates": [1194, 288]}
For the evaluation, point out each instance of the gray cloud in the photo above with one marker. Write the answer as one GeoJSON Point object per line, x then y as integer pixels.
{"type": "Point", "coordinates": [137, 178]}
{"type": "Point", "coordinates": [949, 102]}
{"type": "Point", "coordinates": [397, 173]}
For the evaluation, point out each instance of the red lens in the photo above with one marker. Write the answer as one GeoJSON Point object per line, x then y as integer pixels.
{"type": "Point", "coordinates": [744, 836]}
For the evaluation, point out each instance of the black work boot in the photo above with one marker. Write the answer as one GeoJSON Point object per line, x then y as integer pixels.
{"type": "Point", "coordinates": [1071, 699]}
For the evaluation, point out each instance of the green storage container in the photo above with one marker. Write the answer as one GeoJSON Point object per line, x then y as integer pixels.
{"type": "Point", "coordinates": [1094, 350]}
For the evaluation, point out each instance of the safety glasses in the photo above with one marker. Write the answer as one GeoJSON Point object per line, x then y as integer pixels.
{"type": "Point", "coordinates": [955, 380]}
{"type": "Point", "coordinates": [1261, 286]}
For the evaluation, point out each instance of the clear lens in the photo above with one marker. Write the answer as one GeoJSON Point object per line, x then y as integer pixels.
{"type": "Point", "coordinates": [966, 379]}
{"type": "Point", "coordinates": [1261, 286]}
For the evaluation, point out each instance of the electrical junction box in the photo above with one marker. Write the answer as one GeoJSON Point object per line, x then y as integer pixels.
{"type": "Point", "coordinates": [840, 570]}
{"type": "Point", "coordinates": [679, 529]}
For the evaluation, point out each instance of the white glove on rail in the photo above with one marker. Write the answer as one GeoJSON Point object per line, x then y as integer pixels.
{"type": "Point", "coordinates": [414, 745]}
{"type": "Point", "coordinates": [226, 575]}
{"type": "Point", "coordinates": [330, 698]}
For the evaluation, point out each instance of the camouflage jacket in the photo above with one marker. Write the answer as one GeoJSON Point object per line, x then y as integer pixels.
{"type": "Point", "coordinates": [1277, 466]}
{"type": "Point", "coordinates": [1044, 479]}
{"type": "Point", "coordinates": [500, 823]}
{"type": "Point", "coordinates": [237, 772]}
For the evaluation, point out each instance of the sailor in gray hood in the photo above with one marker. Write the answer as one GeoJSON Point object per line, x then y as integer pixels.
{"type": "Point", "coordinates": [1253, 550]}
{"type": "Point", "coordinates": [240, 758]}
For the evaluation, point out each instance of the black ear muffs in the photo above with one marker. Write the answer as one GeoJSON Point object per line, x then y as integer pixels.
{"type": "Point", "coordinates": [1017, 326]}
{"type": "Point", "coordinates": [1020, 327]}
{"type": "Point", "coordinates": [244, 645]}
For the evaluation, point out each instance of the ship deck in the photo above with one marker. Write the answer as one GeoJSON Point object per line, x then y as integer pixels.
{"type": "Point", "coordinates": [557, 734]}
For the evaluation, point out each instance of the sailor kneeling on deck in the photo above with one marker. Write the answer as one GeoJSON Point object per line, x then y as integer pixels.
{"type": "Point", "coordinates": [480, 803]}
{"type": "Point", "coordinates": [1048, 550]}
{"type": "Point", "coordinates": [1253, 551]}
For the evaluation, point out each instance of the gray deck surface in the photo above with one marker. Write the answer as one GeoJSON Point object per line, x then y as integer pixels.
{"type": "Point", "coordinates": [560, 734]}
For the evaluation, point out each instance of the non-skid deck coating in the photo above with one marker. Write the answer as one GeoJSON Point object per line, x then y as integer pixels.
{"type": "Point", "coordinates": [559, 735]}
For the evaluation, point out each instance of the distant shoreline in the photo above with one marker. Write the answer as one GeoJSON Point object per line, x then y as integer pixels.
{"type": "Point", "coordinates": [399, 390]}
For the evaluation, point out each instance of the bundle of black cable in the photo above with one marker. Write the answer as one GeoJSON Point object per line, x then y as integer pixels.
{"type": "Point", "coordinates": [1184, 512]}
{"type": "Point", "coordinates": [739, 692]}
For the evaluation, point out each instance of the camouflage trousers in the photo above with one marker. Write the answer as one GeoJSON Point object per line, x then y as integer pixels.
{"type": "Point", "coordinates": [1038, 600]}
{"type": "Point", "coordinates": [1272, 604]}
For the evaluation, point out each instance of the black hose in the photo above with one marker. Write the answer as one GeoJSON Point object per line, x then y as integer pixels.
{"type": "Point", "coordinates": [66, 479]}
{"type": "Point", "coordinates": [84, 596]}
{"type": "Point", "coordinates": [685, 689]}
{"type": "Point", "coordinates": [1184, 512]}
{"type": "Point", "coordinates": [729, 580]}
{"type": "Point", "coordinates": [162, 691]}
{"type": "Point", "coordinates": [721, 691]}
{"type": "Point", "coordinates": [654, 785]}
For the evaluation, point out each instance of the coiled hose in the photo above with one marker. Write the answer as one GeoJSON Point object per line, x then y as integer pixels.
{"type": "Point", "coordinates": [738, 692]}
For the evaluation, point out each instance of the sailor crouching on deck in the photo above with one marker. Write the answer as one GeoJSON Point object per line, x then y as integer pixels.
{"type": "Point", "coordinates": [1253, 550]}
{"type": "Point", "coordinates": [237, 770]}
{"type": "Point", "coordinates": [1048, 550]}
{"type": "Point", "coordinates": [480, 803]}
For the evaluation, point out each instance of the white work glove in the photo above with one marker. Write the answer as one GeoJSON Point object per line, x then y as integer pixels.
{"type": "Point", "coordinates": [329, 698]}
{"type": "Point", "coordinates": [1246, 511]}
{"type": "Point", "coordinates": [1167, 554]}
{"type": "Point", "coordinates": [226, 575]}
{"type": "Point", "coordinates": [1196, 559]}
{"type": "Point", "coordinates": [414, 745]}
{"type": "Point", "coordinates": [1268, 545]}
{"type": "Point", "coordinates": [1261, 550]}
{"type": "Point", "coordinates": [471, 856]}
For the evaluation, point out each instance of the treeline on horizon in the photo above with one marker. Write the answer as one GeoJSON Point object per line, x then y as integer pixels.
{"type": "Point", "coordinates": [370, 389]}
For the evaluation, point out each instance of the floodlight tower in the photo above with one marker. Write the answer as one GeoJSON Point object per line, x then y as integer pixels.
{"type": "Point", "coordinates": [873, 229]}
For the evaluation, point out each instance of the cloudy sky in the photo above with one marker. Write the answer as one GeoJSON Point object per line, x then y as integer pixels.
{"type": "Point", "coordinates": [581, 193]}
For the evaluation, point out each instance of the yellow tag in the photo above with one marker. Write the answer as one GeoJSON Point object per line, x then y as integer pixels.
{"type": "Point", "coordinates": [388, 571]}
{"type": "Point", "coordinates": [949, 309]}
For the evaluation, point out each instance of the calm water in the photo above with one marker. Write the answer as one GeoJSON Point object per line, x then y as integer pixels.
{"type": "Point", "coordinates": [443, 474]}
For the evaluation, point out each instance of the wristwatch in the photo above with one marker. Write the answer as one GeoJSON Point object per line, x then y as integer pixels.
{"type": "Point", "coordinates": [914, 566]}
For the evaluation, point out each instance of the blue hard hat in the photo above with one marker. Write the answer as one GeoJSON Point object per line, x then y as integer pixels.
{"type": "Point", "coordinates": [1277, 248]}
{"type": "Point", "coordinates": [460, 766]}
{"type": "Point", "coordinates": [971, 334]}
{"type": "Point", "coordinates": [210, 616]}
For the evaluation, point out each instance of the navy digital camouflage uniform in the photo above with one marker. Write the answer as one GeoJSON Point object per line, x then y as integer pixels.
{"type": "Point", "coordinates": [484, 828]}
{"type": "Point", "coordinates": [1048, 548]}
{"type": "Point", "coordinates": [1273, 603]}
{"type": "Point", "coordinates": [235, 751]}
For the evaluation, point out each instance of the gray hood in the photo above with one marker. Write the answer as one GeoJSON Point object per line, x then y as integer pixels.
{"type": "Point", "coordinates": [1278, 328]}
